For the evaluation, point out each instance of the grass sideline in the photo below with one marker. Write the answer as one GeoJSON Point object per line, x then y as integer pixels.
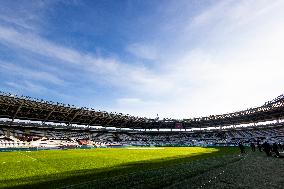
{"type": "Point", "coordinates": [109, 167]}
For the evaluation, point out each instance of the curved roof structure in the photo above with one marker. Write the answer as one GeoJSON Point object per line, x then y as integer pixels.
{"type": "Point", "coordinates": [26, 108]}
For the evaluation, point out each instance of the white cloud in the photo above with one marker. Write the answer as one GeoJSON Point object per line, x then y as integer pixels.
{"type": "Point", "coordinates": [36, 44]}
{"type": "Point", "coordinates": [143, 51]}
{"type": "Point", "coordinates": [137, 106]}
{"type": "Point", "coordinates": [27, 86]}
{"type": "Point", "coordinates": [236, 63]}
{"type": "Point", "coordinates": [233, 72]}
{"type": "Point", "coordinates": [129, 101]}
{"type": "Point", "coordinates": [137, 78]}
{"type": "Point", "coordinates": [232, 14]}
{"type": "Point", "coordinates": [29, 73]}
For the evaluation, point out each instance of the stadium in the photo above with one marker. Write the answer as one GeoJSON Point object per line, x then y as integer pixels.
{"type": "Point", "coordinates": [157, 94]}
{"type": "Point", "coordinates": [63, 146]}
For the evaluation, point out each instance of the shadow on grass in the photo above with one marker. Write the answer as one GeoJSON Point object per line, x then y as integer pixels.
{"type": "Point", "coordinates": [142, 174]}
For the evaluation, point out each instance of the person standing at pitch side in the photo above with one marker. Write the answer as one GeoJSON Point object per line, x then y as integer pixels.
{"type": "Point", "coordinates": [242, 148]}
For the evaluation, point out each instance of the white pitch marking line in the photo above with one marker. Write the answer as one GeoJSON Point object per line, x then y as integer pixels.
{"type": "Point", "coordinates": [217, 175]}
{"type": "Point", "coordinates": [34, 159]}
{"type": "Point", "coordinates": [144, 148]}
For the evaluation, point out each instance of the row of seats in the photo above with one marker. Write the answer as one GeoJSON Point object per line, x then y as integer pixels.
{"type": "Point", "coordinates": [23, 137]}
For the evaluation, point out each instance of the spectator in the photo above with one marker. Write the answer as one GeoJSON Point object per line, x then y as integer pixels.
{"type": "Point", "coordinates": [252, 145]}
{"type": "Point", "coordinates": [275, 149]}
{"type": "Point", "coordinates": [266, 148]}
{"type": "Point", "coordinates": [259, 146]}
{"type": "Point", "coordinates": [280, 146]}
{"type": "Point", "coordinates": [242, 148]}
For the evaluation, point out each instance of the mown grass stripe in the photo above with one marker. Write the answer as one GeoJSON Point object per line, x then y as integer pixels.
{"type": "Point", "coordinates": [62, 168]}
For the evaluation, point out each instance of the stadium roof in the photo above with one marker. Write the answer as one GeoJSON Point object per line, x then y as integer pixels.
{"type": "Point", "coordinates": [15, 107]}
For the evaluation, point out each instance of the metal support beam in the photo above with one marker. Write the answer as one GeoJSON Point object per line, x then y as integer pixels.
{"type": "Point", "coordinates": [68, 113]}
{"type": "Point", "coordinates": [94, 119]}
{"type": "Point", "coordinates": [14, 116]}
{"type": "Point", "coordinates": [49, 114]}
{"type": "Point", "coordinates": [75, 115]}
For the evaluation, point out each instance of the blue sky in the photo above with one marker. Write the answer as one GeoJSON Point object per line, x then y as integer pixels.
{"type": "Point", "coordinates": [179, 59]}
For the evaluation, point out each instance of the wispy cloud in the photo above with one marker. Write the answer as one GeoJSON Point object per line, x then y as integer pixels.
{"type": "Point", "coordinates": [27, 86]}
{"type": "Point", "coordinates": [29, 73]}
{"type": "Point", "coordinates": [228, 56]}
{"type": "Point", "coordinates": [233, 65]}
{"type": "Point", "coordinates": [143, 51]}
{"type": "Point", "coordinates": [226, 17]}
{"type": "Point", "coordinates": [36, 44]}
{"type": "Point", "coordinates": [129, 101]}
{"type": "Point", "coordinates": [109, 68]}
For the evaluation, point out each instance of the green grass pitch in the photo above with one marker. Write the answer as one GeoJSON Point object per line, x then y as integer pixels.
{"type": "Point", "coordinates": [109, 167]}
